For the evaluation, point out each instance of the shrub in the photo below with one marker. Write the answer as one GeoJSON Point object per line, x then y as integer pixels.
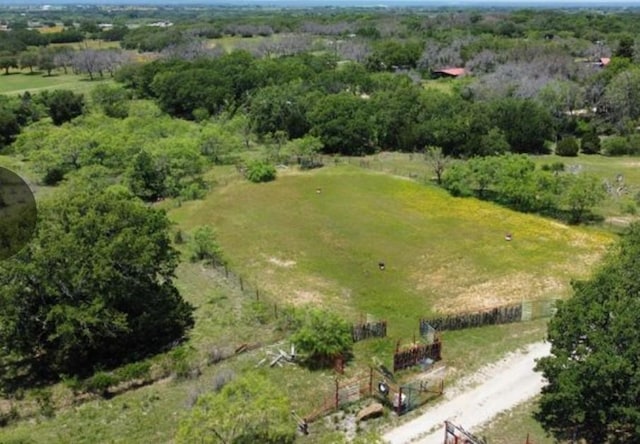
{"type": "Point", "coordinates": [44, 400]}
{"type": "Point", "coordinates": [222, 378]}
{"type": "Point", "coordinates": [205, 247]}
{"type": "Point", "coordinates": [135, 370]}
{"type": "Point", "coordinates": [100, 382]}
{"type": "Point", "coordinates": [590, 143]}
{"type": "Point", "coordinates": [72, 383]}
{"type": "Point", "coordinates": [615, 146]}
{"type": "Point", "coordinates": [260, 171]}
{"type": "Point", "coordinates": [181, 363]}
{"type": "Point", "coordinates": [53, 176]}
{"type": "Point", "coordinates": [633, 146]}
{"type": "Point", "coordinates": [322, 336]}
{"type": "Point", "coordinates": [554, 167]}
{"type": "Point", "coordinates": [567, 146]}
{"type": "Point", "coordinates": [7, 418]}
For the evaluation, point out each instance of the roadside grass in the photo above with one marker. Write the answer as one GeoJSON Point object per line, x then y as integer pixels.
{"type": "Point", "coordinates": [441, 254]}
{"type": "Point", "coordinates": [19, 82]}
{"type": "Point", "coordinates": [512, 427]}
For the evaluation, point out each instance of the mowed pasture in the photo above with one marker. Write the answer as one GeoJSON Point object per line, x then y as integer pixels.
{"type": "Point", "coordinates": [318, 237]}
{"type": "Point", "coordinates": [19, 82]}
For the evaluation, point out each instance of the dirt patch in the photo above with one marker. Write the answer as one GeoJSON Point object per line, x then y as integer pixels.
{"type": "Point", "coordinates": [621, 221]}
{"type": "Point", "coordinates": [281, 262]}
{"type": "Point", "coordinates": [505, 290]}
{"type": "Point", "coordinates": [305, 297]}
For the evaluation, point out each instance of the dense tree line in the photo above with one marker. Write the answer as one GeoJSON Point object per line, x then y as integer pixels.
{"type": "Point", "coordinates": [93, 289]}
{"type": "Point", "coordinates": [514, 181]}
{"type": "Point", "coordinates": [352, 110]}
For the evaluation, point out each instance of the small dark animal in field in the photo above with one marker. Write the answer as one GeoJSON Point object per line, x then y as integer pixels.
{"type": "Point", "coordinates": [381, 266]}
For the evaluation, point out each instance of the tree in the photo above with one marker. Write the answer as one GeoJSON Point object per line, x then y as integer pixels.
{"type": "Point", "coordinates": [322, 336]}
{"type": "Point", "coordinates": [112, 100]}
{"type": "Point", "coordinates": [622, 97]}
{"type": "Point", "coordinates": [205, 247]}
{"type": "Point", "coordinates": [248, 410]}
{"type": "Point", "coordinates": [437, 161]}
{"type": "Point", "coordinates": [7, 62]}
{"type": "Point", "coordinates": [625, 47]}
{"type": "Point", "coordinates": [63, 105]}
{"type": "Point", "coordinates": [581, 193]}
{"type": "Point", "coordinates": [146, 178]}
{"type": "Point", "coordinates": [46, 60]}
{"type": "Point", "coordinates": [9, 126]}
{"type": "Point", "coordinates": [526, 124]}
{"type": "Point", "coordinates": [279, 108]}
{"type": "Point", "coordinates": [345, 124]}
{"type": "Point", "coordinates": [592, 374]}
{"type": "Point", "coordinates": [93, 289]}
{"type": "Point", "coordinates": [590, 143]}
{"type": "Point", "coordinates": [567, 146]}
{"type": "Point", "coordinates": [28, 59]}
{"type": "Point", "coordinates": [260, 171]}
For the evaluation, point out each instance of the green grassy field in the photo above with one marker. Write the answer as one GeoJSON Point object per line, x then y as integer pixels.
{"type": "Point", "coordinates": [513, 426]}
{"type": "Point", "coordinates": [20, 82]}
{"type": "Point", "coordinates": [442, 254]}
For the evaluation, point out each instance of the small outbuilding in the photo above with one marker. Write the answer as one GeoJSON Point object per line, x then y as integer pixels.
{"type": "Point", "coordinates": [449, 72]}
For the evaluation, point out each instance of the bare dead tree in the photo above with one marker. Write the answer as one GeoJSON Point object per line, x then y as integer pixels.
{"type": "Point", "coordinates": [63, 59]}
{"type": "Point", "coordinates": [190, 50]}
{"type": "Point", "coordinates": [355, 50]}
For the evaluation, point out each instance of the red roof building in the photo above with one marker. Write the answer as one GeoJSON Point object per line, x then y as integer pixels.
{"type": "Point", "coordinates": [450, 72]}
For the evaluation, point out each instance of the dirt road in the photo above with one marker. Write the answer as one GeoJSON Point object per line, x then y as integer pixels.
{"type": "Point", "coordinates": [477, 399]}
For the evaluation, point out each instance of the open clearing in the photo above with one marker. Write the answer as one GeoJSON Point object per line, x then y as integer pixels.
{"type": "Point", "coordinates": [477, 399]}
{"type": "Point", "coordinates": [18, 82]}
{"type": "Point", "coordinates": [441, 254]}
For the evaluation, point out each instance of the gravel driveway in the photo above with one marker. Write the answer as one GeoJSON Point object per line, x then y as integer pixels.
{"type": "Point", "coordinates": [477, 399]}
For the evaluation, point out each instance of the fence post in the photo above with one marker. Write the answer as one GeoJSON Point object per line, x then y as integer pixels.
{"type": "Point", "coordinates": [337, 394]}
{"type": "Point", "coordinates": [257, 295]}
{"type": "Point", "coordinates": [370, 381]}
{"type": "Point", "coordinates": [241, 284]}
{"type": "Point", "coordinates": [399, 408]}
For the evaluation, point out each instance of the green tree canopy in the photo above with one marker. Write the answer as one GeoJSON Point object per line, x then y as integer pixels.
{"type": "Point", "coordinates": [94, 288]}
{"type": "Point", "coordinates": [321, 335]}
{"type": "Point", "coordinates": [63, 105]}
{"type": "Point", "coordinates": [593, 372]}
